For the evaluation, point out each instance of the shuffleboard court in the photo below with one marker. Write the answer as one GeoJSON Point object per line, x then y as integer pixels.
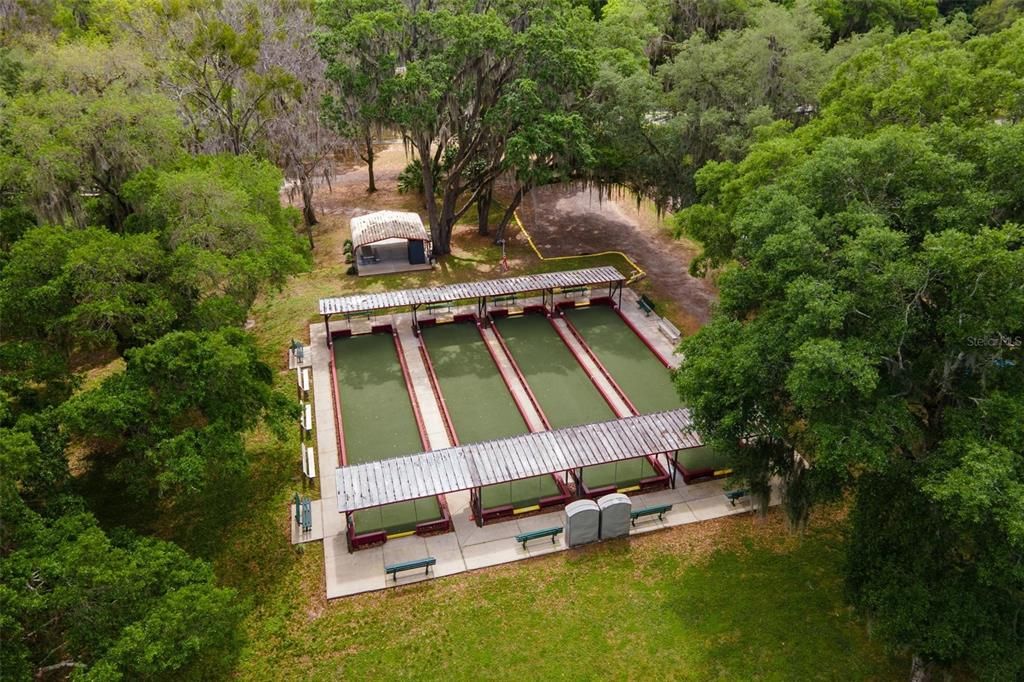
{"type": "Point", "coordinates": [642, 377]}
{"type": "Point", "coordinates": [479, 403]}
{"type": "Point", "coordinates": [631, 363]}
{"type": "Point", "coordinates": [378, 422]}
{"type": "Point", "coordinates": [565, 392]}
{"type": "Point", "coordinates": [563, 389]}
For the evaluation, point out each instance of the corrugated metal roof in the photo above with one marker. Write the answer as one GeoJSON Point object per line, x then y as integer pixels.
{"type": "Point", "coordinates": [359, 303]}
{"type": "Point", "coordinates": [375, 227]}
{"type": "Point", "coordinates": [509, 459]}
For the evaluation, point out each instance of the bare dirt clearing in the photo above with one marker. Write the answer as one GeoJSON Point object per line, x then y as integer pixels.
{"type": "Point", "coordinates": [564, 220]}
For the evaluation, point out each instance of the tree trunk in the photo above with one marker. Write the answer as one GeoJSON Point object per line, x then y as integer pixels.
{"type": "Point", "coordinates": [510, 212]}
{"type": "Point", "coordinates": [308, 214]}
{"type": "Point", "coordinates": [440, 246]}
{"type": "Point", "coordinates": [483, 209]}
{"type": "Point", "coordinates": [919, 671]}
{"type": "Point", "coordinates": [369, 163]}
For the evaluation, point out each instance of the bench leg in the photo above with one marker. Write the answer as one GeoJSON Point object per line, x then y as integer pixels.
{"type": "Point", "coordinates": [552, 539]}
{"type": "Point", "coordinates": [426, 571]}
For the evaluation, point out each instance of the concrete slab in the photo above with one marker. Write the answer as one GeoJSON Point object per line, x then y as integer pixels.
{"type": "Point", "coordinates": [646, 525]}
{"type": "Point", "coordinates": [335, 546]}
{"type": "Point", "coordinates": [361, 571]}
{"type": "Point", "coordinates": [540, 521]}
{"type": "Point", "coordinates": [469, 534]}
{"type": "Point", "coordinates": [493, 553]}
{"type": "Point", "coordinates": [714, 507]}
{"type": "Point", "coordinates": [317, 530]}
{"type": "Point", "coordinates": [544, 546]}
{"type": "Point", "coordinates": [678, 516]}
{"type": "Point", "coordinates": [445, 548]}
{"type": "Point", "coordinates": [698, 491]}
{"type": "Point", "coordinates": [404, 549]}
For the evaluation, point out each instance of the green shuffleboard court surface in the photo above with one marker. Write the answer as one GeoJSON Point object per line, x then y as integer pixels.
{"type": "Point", "coordinates": [620, 474]}
{"type": "Point", "coordinates": [524, 493]}
{"type": "Point", "coordinates": [479, 403]}
{"type": "Point", "coordinates": [562, 388]}
{"type": "Point", "coordinates": [631, 363]}
{"type": "Point", "coordinates": [565, 392]}
{"type": "Point", "coordinates": [703, 458]}
{"type": "Point", "coordinates": [378, 422]}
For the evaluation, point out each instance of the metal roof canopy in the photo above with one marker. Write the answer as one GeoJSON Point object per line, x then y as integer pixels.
{"type": "Point", "coordinates": [360, 303]}
{"type": "Point", "coordinates": [382, 225]}
{"type": "Point", "coordinates": [510, 459]}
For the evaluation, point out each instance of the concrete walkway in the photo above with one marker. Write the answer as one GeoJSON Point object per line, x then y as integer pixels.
{"type": "Point", "coordinates": [468, 547]}
{"type": "Point", "coordinates": [430, 411]}
{"type": "Point", "coordinates": [520, 392]}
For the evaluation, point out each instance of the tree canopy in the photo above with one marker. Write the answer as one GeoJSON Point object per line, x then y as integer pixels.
{"type": "Point", "coordinates": [869, 336]}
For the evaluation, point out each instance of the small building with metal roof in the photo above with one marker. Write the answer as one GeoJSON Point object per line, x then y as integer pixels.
{"type": "Point", "coordinates": [390, 241]}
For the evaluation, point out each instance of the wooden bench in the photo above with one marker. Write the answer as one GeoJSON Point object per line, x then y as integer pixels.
{"type": "Point", "coordinates": [733, 495]}
{"type": "Point", "coordinates": [660, 510]}
{"type": "Point", "coordinates": [646, 304]}
{"type": "Point", "coordinates": [543, 533]}
{"type": "Point", "coordinates": [425, 562]}
{"type": "Point", "coordinates": [669, 330]}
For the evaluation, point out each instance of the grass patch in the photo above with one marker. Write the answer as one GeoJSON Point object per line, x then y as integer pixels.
{"type": "Point", "coordinates": [729, 599]}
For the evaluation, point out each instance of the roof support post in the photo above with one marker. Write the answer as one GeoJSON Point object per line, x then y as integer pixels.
{"type": "Point", "coordinates": [673, 465]}
{"type": "Point", "coordinates": [415, 322]}
{"type": "Point", "coordinates": [349, 530]}
{"type": "Point", "coordinates": [327, 328]}
{"type": "Point", "coordinates": [477, 500]}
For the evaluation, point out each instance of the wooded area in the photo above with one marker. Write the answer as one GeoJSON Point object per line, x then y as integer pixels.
{"type": "Point", "coordinates": [853, 174]}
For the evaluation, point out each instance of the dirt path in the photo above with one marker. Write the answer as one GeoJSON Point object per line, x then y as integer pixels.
{"type": "Point", "coordinates": [566, 220]}
{"type": "Point", "coordinates": [563, 221]}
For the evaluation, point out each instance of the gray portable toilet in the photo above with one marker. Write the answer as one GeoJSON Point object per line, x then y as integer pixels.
{"type": "Point", "coordinates": [582, 522]}
{"type": "Point", "coordinates": [615, 509]}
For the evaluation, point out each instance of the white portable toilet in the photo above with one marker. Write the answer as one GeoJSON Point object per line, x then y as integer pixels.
{"type": "Point", "coordinates": [615, 509]}
{"type": "Point", "coordinates": [582, 522]}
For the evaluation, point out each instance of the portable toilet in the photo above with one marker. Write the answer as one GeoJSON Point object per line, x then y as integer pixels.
{"type": "Point", "coordinates": [582, 522]}
{"type": "Point", "coordinates": [615, 509]}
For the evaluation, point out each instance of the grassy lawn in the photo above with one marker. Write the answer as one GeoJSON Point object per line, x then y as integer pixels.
{"type": "Point", "coordinates": [729, 599]}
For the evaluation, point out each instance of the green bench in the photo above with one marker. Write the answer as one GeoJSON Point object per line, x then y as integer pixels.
{"type": "Point", "coordinates": [646, 304]}
{"type": "Point", "coordinates": [303, 512]}
{"type": "Point", "coordinates": [733, 495]}
{"type": "Point", "coordinates": [425, 562]}
{"type": "Point", "coordinates": [543, 533]}
{"type": "Point", "coordinates": [509, 299]}
{"type": "Point", "coordinates": [660, 510]}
